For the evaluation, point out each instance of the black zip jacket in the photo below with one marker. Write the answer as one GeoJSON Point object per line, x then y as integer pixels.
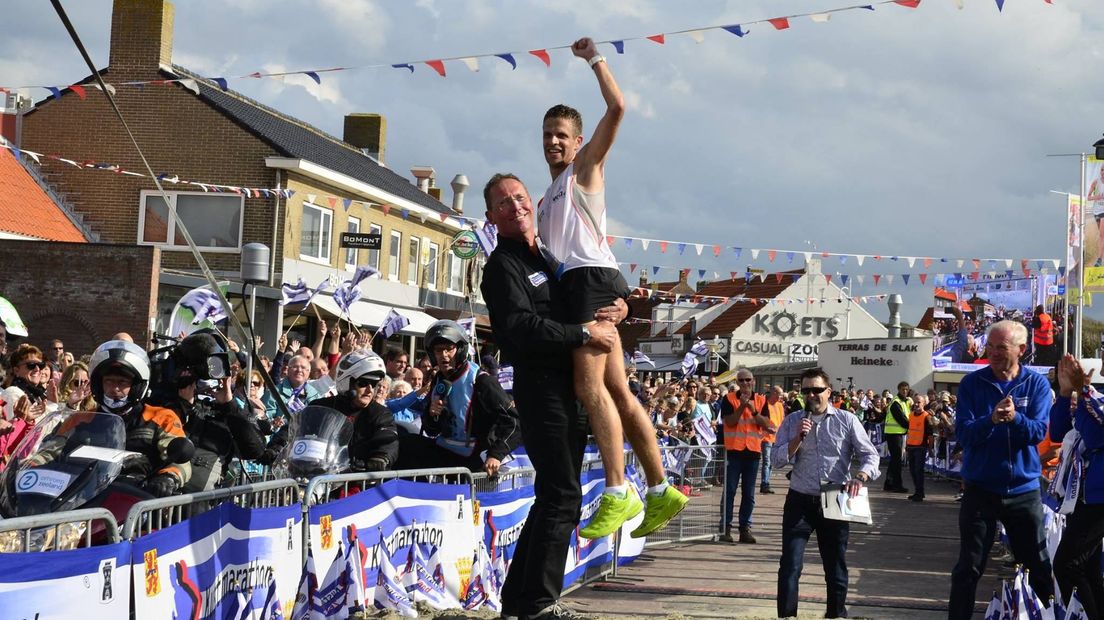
{"type": "Point", "coordinates": [374, 433]}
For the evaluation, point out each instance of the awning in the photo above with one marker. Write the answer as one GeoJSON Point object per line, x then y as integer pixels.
{"type": "Point", "coordinates": [371, 315]}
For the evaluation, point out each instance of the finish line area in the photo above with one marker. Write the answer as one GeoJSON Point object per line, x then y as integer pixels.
{"type": "Point", "coordinates": [899, 567]}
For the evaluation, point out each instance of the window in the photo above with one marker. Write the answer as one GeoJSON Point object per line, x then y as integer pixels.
{"type": "Point", "coordinates": [393, 255]}
{"type": "Point", "coordinates": [374, 255]}
{"type": "Point", "coordinates": [412, 260]}
{"type": "Point", "coordinates": [214, 220]}
{"type": "Point", "coordinates": [316, 233]}
{"type": "Point", "coordinates": [456, 273]}
{"type": "Point", "coordinates": [431, 266]}
{"type": "Point", "coordinates": [351, 253]}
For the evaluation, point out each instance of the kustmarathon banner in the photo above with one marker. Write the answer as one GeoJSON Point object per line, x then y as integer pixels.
{"type": "Point", "coordinates": [229, 562]}
{"type": "Point", "coordinates": [90, 583]}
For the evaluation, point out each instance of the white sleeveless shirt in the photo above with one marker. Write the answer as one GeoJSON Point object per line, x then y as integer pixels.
{"type": "Point", "coordinates": [572, 225]}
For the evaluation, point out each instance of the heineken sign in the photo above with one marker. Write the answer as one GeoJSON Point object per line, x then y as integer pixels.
{"type": "Point", "coordinates": [465, 245]}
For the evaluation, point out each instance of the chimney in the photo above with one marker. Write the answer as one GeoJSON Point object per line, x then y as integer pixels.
{"type": "Point", "coordinates": [459, 184]}
{"type": "Point", "coordinates": [643, 279]}
{"type": "Point", "coordinates": [367, 132]}
{"type": "Point", "coordinates": [11, 117]}
{"type": "Point", "coordinates": [435, 192]}
{"type": "Point", "coordinates": [141, 37]}
{"type": "Point", "coordinates": [424, 176]}
{"type": "Point", "coordinates": [894, 302]}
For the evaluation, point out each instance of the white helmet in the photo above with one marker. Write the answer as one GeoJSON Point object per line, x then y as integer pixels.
{"type": "Point", "coordinates": [357, 364]}
{"type": "Point", "coordinates": [120, 356]}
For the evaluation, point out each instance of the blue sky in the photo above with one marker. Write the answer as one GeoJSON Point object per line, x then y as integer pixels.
{"type": "Point", "coordinates": [899, 131]}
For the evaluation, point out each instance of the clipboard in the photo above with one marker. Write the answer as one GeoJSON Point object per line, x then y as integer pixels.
{"type": "Point", "coordinates": [837, 505]}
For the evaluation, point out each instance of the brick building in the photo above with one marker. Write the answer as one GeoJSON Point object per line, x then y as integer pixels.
{"type": "Point", "coordinates": [200, 131]}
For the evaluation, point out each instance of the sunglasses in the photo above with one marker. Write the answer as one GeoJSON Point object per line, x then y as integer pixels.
{"type": "Point", "coordinates": [59, 348]}
{"type": "Point", "coordinates": [256, 384]}
{"type": "Point", "coordinates": [364, 382]}
{"type": "Point", "coordinates": [79, 382]}
{"type": "Point", "coordinates": [745, 380]}
{"type": "Point", "coordinates": [809, 391]}
{"type": "Point", "coordinates": [34, 365]}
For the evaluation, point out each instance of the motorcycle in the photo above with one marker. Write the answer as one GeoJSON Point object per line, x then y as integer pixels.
{"type": "Point", "coordinates": [317, 444]}
{"type": "Point", "coordinates": [71, 460]}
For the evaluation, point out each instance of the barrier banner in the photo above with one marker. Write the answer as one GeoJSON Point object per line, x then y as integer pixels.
{"type": "Point", "coordinates": [226, 562]}
{"type": "Point", "coordinates": [436, 518]}
{"type": "Point", "coordinates": [586, 554]}
{"type": "Point", "coordinates": [90, 583]}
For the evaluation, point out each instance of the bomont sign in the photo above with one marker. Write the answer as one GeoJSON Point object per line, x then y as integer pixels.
{"type": "Point", "coordinates": [785, 324]}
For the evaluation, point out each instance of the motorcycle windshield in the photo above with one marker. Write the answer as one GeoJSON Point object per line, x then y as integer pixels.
{"type": "Point", "coordinates": [69, 459]}
{"type": "Point", "coordinates": [319, 442]}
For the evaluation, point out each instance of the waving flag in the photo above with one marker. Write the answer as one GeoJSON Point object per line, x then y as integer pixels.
{"type": "Point", "coordinates": [361, 274]}
{"type": "Point", "coordinates": [993, 611]}
{"type": "Point", "coordinates": [689, 364]}
{"type": "Point", "coordinates": [295, 293]}
{"type": "Point", "coordinates": [308, 586]}
{"type": "Point", "coordinates": [197, 309]}
{"type": "Point", "coordinates": [393, 324]}
{"type": "Point", "coordinates": [487, 237]}
{"type": "Point", "coordinates": [388, 593]}
{"type": "Point", "coordinates": [417, 581]}
{"type": "Point", "coordinates": [324, 285]}
{"type": "Point", "coordinates": [271, 609]}
{"type": "Point", "coordinates": [639, 358]}
{"type": "Point", "coordinates": [345, 296]}
{"type": "Point", "coordinates": [1075, 611]}
{"type": "Point", "coordinates": [334, 590]}
{"type": "Point", "coordinates": [699, 348]}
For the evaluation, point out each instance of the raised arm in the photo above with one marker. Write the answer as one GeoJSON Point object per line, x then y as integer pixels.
{"type": "Point", "coordinates": [591, 159]}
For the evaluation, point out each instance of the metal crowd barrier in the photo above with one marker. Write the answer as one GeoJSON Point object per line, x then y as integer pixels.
{"type": "Point", "coordinates": [60, 531]}
{"type": "Point", "coordinates": [155, 514]}
{"type": "Point", "coordinates": [504, 481]}
{"type": "Point", "coordinates": [701, 475]}
{"type": "Point", "coordinates": [320, 489]}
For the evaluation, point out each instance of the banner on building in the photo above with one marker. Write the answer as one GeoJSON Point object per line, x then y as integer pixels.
{"type": "Point", "coordinates": [226, 561]}
{"type": "Point", "coordinates": [89, 584]}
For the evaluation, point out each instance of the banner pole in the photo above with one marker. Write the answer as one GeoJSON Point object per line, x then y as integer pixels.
{"type": "Point", "coordinates": [1081, 269]}
{"type": "Point", "coordinates": [1072, 218]}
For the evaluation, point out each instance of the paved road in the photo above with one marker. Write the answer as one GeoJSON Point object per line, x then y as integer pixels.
{"type": "Point", "coordinates": [899, 567]}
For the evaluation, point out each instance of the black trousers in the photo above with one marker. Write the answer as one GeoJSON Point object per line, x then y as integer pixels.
{"type": "Point", "coordinates": [1022, 516]}
{"type": "Point", "coordinates": [896, 445]}
{"type": "Point", "coordinates": [801, 516]}
{"type": "Point", "coordinates": [554, 429]}
{"type": "Point", "coordinates": [1077, 560]}
{"type": "Point", "coordinates": [917, 457]}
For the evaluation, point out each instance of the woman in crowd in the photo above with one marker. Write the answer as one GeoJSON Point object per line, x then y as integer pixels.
{"type": "Point", "coordinates": [75, 388]}
{"type": "Point", "coordinates": [254, 404]}
{"type": "Point", "coordinates": [27, 366]}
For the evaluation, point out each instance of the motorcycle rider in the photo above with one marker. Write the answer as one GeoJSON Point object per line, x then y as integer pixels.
{"type": "Point", "coordinates": [213, 420]}
{"type": "Point", "coordinates": [120, 375]}
{"type": "Point", "coordinates": [470, 421]}
{"type": "Point", "coordinates": [375, 442]}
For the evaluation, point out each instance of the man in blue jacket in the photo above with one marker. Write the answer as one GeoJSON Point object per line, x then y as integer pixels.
{"type": "Point", "coordinates": [1003, 411]}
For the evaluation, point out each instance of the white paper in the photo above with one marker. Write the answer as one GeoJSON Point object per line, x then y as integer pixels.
{"type": "Point", "coordinates": [840, 506]}
{"type": "Point", "coordinates": [110, 455]}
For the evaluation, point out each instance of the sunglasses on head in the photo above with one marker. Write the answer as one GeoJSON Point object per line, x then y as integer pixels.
{"type": "Point", "coordinates": [813, 390]}
{"type": "Point", "coordinates": [34, 365]}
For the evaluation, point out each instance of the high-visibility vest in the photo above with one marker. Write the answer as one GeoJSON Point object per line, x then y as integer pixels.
{"type": "Point", "coordinates": [776, 413]}
{"type": "Point", "coordinates": [1044, 335]}
{"type": "Point", "coordinates": [745, 434]}
{"type": "Point", "coordinates": [917, 430]}
{"type": "Point", "coordinates": [891, 425]}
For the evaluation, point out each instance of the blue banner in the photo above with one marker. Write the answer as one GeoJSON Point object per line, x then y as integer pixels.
{"type": "Point", "coordinates": [90, 583]}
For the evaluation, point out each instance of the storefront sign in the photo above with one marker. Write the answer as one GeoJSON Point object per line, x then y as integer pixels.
{"type": "Point", "coordinates": [785, 324]}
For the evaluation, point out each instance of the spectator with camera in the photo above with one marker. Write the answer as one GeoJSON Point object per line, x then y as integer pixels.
{"type": "Point", "coordinates": [219, 428]}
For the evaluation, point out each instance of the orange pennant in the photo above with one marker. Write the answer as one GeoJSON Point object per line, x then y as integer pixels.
{"type": "Point", "coordinates": [658, 38]}
{"type": "Point", "coordinates": [437, 66]}
{"type": "Point", "coordinates": [771, 254]}
{"type": "Point", "coordinates": [779, 23]}
{"type": "Point", "coordinates": [662, 247]}
{"type": "Point", "coordinates": [543, 55]}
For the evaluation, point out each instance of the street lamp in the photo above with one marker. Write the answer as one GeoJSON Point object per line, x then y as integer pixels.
{"type": "Point", "coordinates": [254, 270]}
{"type": "Point", "coordinates": [1098, 146]}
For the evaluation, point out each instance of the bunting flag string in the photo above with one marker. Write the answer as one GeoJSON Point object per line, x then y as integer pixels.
{"type": "Point", "coordinates": [248, 192]}
{"type": "Point", "coordinates": [695, 298]}
{"type": "Point", "coordinates": [906, 278]}
{"type": "Point", "coordinates": [471, 61]}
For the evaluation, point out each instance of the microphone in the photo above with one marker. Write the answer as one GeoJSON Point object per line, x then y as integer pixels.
{"type": "Point", "coordinates": [808, 412]}
{"type": "Point", "coordinates": [441, 390]}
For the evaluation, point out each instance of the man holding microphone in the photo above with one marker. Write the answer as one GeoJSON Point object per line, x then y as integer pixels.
{"type": "Point", "coordinates": [820, 442]}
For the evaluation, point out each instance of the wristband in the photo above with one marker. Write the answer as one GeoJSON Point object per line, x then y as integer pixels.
{"type": "Point", "coordinates": [597, 58]}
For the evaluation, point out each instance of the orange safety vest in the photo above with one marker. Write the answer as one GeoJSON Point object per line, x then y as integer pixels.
{"type": "Point", "coordinates": [776, 413]}
{"type": "Point", "coordinates": [745, 434]}
{"type": "Point", "coordinates": [1044, 336]}
{"type": "Point", "coordinates": [918, 430]}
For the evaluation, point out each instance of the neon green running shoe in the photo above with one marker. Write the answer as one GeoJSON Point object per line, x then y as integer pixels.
{"type": "Point", "coordinates": [661, 509]}
{"type": "Point", "coordinates": [612, 512]}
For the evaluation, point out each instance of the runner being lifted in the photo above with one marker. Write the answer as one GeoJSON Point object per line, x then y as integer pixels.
{"type": "Point", "coordinates": [571, 222]}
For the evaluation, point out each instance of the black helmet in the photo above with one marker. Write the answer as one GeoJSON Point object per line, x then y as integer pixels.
{"type": "Point", "coordinates": [200, 356]}
{"type": "Point", "coordinates": [450, 332]}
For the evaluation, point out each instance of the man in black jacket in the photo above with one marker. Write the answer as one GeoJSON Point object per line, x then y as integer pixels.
{"type": "Point", "coordinates": [521, 294]}
{"type": "Point", "coordinates": [375, 442]}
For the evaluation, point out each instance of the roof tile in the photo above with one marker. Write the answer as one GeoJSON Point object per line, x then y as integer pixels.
{"type": "Point", "coordinates": [26, 209]}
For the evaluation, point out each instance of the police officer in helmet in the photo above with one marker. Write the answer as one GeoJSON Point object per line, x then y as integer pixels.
{"type": "Point", "coordinates": [375, 442]}
{"type": "Point", "coordinates": [120, 376]}
{"type": "Point", "coordinates": [470, 421]}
